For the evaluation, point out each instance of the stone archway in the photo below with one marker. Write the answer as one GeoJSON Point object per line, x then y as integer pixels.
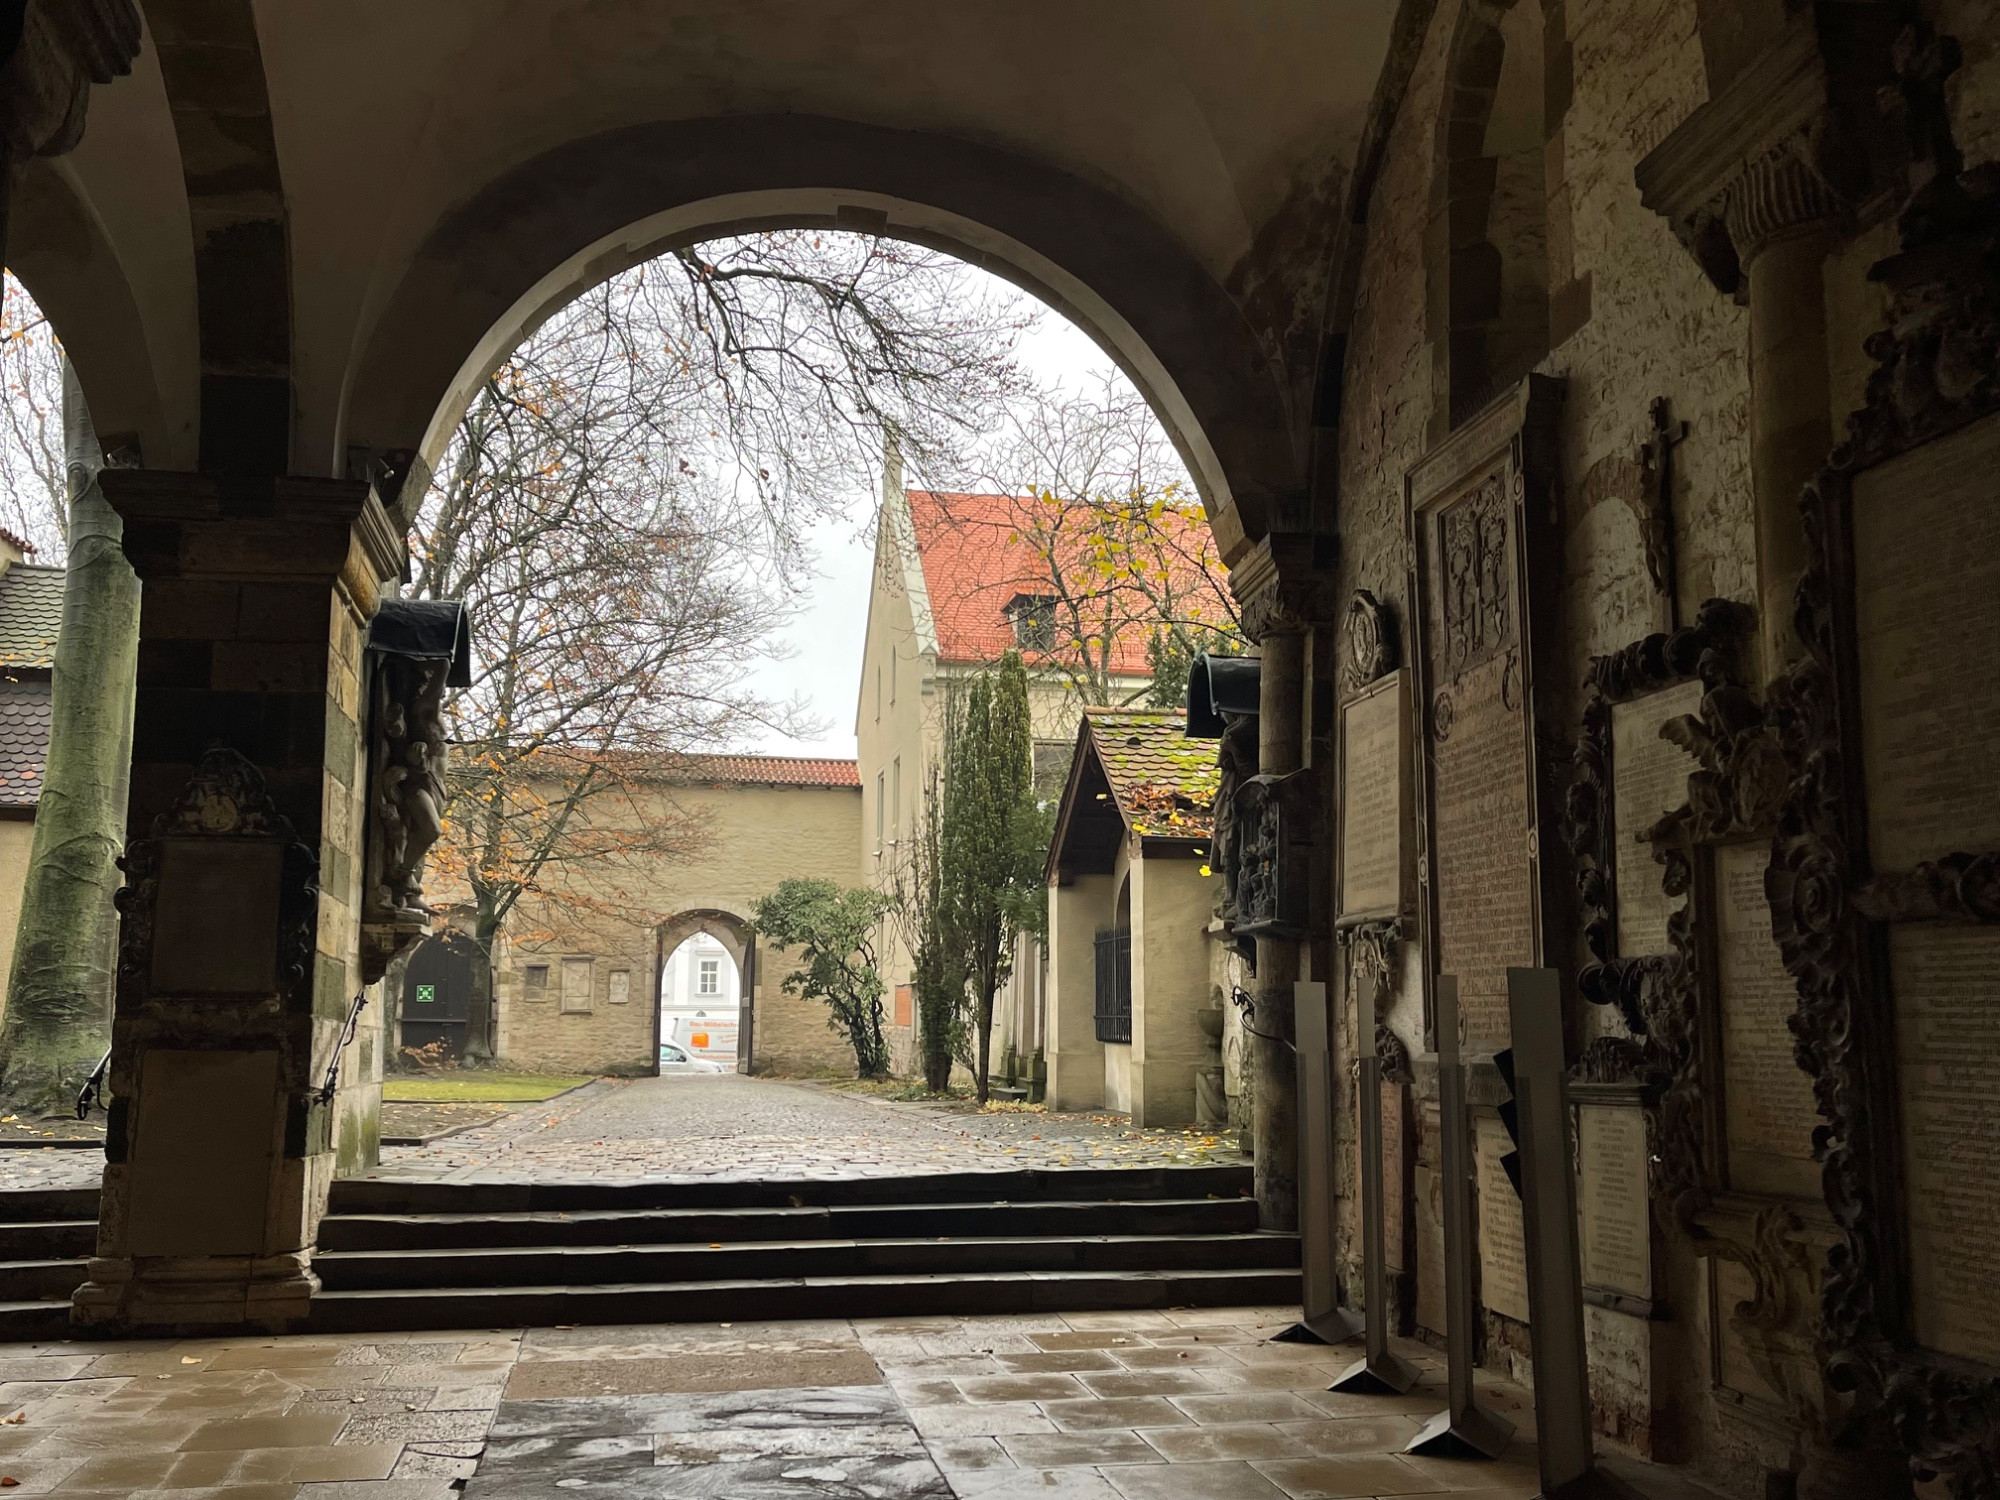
{"type": "Point", "coordinates": [739, 941]}
{"type": "Point", "coordinates": [531, 241]}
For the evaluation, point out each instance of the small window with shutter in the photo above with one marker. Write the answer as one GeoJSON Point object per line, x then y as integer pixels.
{"type": "Point", "coordinates": [577, 983]}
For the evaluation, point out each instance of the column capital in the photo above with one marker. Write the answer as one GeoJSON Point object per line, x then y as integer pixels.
{"type": "Point", "coordinates": [1283, 585]}
{"type": "Point", "coordinates": [1795, 140]}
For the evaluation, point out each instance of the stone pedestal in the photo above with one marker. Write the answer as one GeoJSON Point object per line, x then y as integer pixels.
{"type": "Point", "coordinates": [240, 938]}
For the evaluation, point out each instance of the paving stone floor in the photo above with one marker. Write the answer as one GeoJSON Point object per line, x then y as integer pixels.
{"type": "Point", "coordinates": [1188, 1405]}
{"type": "Point", "coordinates": [731, 1127]}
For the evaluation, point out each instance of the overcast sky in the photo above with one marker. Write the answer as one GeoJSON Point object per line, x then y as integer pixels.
{"type": "Point", "coordinates": [825, 639]}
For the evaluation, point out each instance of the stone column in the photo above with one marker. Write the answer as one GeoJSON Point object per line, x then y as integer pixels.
{"type": "Point", "coordinates": [1781, 219]}
{"type": "Point", "coordinates": [1276, 1101]}
{"type": "Point", "coordinates": [1281, 598]}
{"type": "Point", "coordinates": [247, 739]}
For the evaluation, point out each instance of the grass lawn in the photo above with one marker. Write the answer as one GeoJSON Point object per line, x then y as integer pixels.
{"type": "Point", "coordinates": [476, 1087]}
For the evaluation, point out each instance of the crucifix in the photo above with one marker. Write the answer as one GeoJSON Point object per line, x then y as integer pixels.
{"type": "Point", "coordinates": [1656, 523]}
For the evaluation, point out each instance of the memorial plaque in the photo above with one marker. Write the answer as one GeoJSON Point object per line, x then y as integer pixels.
{"type": "Point", "coordinates": [1947, 989]}
{"type": "Point", "coordinates": [1485, 892]}
{"type": "Point", "coordinates": [1393, 1189]}
{"type": "Point", "coordinates": [1483, 905]}
{"type": "Point", "coordinates": [219, 1109]}
{"type": "Point", "coordinates": [1927, 620]}
{"type": "Point", "coordinates": [1616, 1226]}
{"type": "Point", "coordinates": [1373, 773]}
{"type": "Point", "coordinates": [1503, 1256]}
{"type": "Point", "coordinates": [215, 921]}
{"type": "Point", "coordinates": [1768, 1108]}
{"type": "Point", "coordinates": [1734, 1285]}
{"type": "Point", "coordinates": [1649, 777]}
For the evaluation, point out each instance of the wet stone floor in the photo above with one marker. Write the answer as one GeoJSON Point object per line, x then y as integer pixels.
{"type": "Point", "coordinates": [1187, 1405]}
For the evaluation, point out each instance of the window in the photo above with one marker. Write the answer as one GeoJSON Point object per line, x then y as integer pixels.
{"type": "Point", "coordinates": [895, 797]}
{"type": "Point", "coordinates": [1033, 617]}
{"type": "Point", "coordinates": [578, 982]}
{"type": "Point", "coordinates": [709, 980]}
{"type": "Point", "coordinates": [881, 809]}
{"type": "Point", "coordinates": [1113, 1018]}
{"type": "Point", "coordinates": [878, 694]}
{"type": "Point", "coordinates": [892, 677]}
{"type": "Point", "coordinates": [621, 986]}
{"type": "Point", "coordinates": [535, 981]}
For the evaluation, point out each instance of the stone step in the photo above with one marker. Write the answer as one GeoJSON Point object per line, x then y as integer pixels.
{"type": "Point", "coordinates": [51, 1240]}
{"type": "Point", "coordinates": [23, 1322]}
{"type": "Point", "coordinates": [800, 1260]}
{"type": "Point", "coordinates": [41, 1205]}
{"type": "Point", "coordinates": [836, 1222]}
{"type": "Point", "coordinates": [1083, 1184]}
{"type": "Point", "coordinates": [40, 1280]}
{"type": "Point", "coordinates": [812, 1297]}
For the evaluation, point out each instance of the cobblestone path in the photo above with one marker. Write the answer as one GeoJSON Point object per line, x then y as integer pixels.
{"type": "Point", "coordinates": [730, 1127]}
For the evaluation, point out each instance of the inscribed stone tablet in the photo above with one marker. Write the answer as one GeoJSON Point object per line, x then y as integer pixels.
{"type": "Point", "coordinates": [1734, 1285]}
{"type": "Point", "coordinates": [215, 919]}
{"type": "Point", "coordinates": [1947, 987]}
{"type": "Point", "coordinates": [1617, 1238]}
{"type": "Point", "coordinates": [1503, 1255]}
{"type": "Point", "coordinates": [1649, 776]}
{"type": "Point", "coordinates": [1372, 770]}
{"type": "Point", "coordinates": [217, 1109]}
{"type": "Point", "coordinates": [1392, 1176]}
{"type": "Point", "coordinates": [1927, 616]}
{"type": "Point", "coordinates": [1768, 1109]}
{"type": "Point", "coordinates": [1485, 898]}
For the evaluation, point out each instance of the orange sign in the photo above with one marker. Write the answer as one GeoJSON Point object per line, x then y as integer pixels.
{"type": "Point", "coordinates": [699, 1041]}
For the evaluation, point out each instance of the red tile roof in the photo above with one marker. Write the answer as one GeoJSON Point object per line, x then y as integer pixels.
{"type": "Point", "coordinates": [1164, 782]}
{"type": "Point", "coordinates": [24, 740]}
{"type": "Point", "coordinates": [976, 562]}
{"type": "Point", "coordinates": [772, 770]}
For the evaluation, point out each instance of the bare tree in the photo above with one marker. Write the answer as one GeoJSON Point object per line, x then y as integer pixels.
{"type": "Point", "coordinates": [34, 486]}
{"type": "Point", "coordinates": [623, 508]}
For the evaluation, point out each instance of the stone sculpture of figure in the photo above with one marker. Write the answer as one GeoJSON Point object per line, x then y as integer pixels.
{"type": "Point", "coordinates": [1237, 758]}
{"type": "Point", "coordinates": [408, 791]}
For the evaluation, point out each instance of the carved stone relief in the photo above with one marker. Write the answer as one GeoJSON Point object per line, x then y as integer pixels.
{"type": "Point", "coordinates": [1848, 931]}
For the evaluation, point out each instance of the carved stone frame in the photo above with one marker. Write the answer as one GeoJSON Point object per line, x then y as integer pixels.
{"type": "Point", "coordinates": [1732, 794]}
{"type": "Point", "coordinates": [1514, 438]}
{"type": "Point", "coordinates": [1938, 371]}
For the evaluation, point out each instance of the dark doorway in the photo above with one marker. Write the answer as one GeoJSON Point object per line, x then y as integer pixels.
{"type": "Point", "coordinates": [437, 988]}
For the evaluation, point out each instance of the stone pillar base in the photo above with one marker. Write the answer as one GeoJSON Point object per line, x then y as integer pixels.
{"type": "Point", "coordinates": [192, 1294]}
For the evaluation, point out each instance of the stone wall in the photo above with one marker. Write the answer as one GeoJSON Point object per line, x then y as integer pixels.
{"type": "Point", "coordinates": [1633, 319]}
{"type": "Point", "coordinates": [744, 839]}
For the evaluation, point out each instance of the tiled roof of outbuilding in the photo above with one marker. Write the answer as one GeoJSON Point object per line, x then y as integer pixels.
{"type": "Point", "coordinates": [1164, 782]}
{"type": "Point", "coordinates": [24, 740]}
{"type": "Point", "coordinates": [31, 601]}
{"type": "Point", "coordinates": [773, 770]}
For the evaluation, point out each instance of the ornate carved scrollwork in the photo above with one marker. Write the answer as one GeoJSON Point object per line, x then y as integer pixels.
{"type": "Point", "coordinates": [227, 798]}
{"type": "Point", "coordinates": [1938, 369]}
{"type": "Point", "coordinates": [1367, 642]}
{"type": "Point", "coordinates": [1275, 818]}
{"type": "Point", "coordinates": [1736, 783]}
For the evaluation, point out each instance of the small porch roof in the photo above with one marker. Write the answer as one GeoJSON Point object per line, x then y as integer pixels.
{"type": "Point", "coordinates": [1136, 775]}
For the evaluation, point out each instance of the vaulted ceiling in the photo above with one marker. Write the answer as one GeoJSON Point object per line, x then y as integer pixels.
{"type": "Point", "coordinates": [347, 210]}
